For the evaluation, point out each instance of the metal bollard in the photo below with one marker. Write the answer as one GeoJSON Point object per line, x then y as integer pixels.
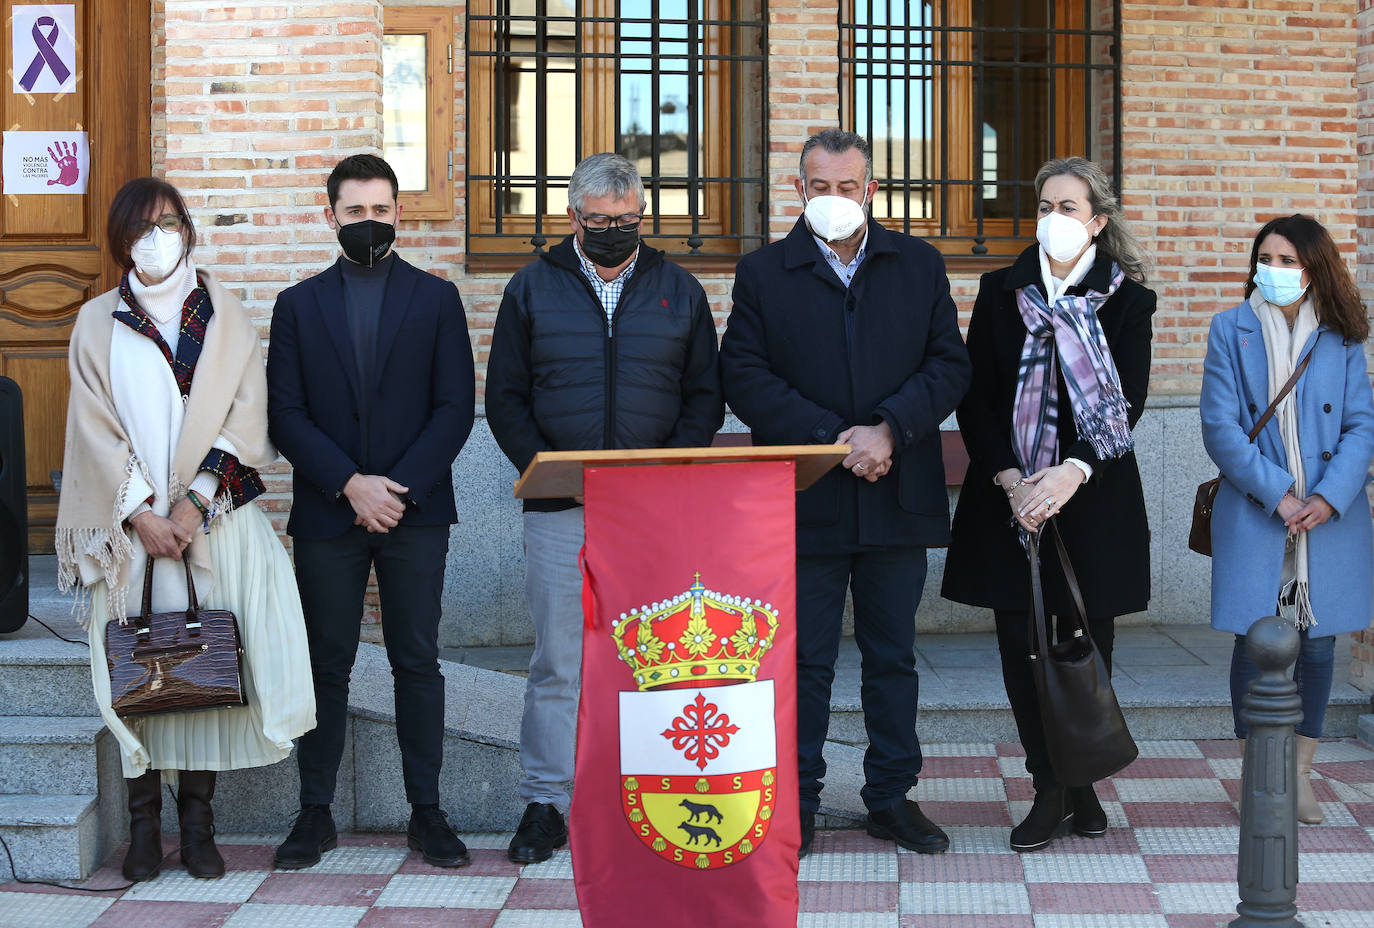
{"type": "Point", "coordinates": [1267, 869]}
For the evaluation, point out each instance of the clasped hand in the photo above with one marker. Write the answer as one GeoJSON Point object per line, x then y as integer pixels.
{"type": "Point", "coordinates": [1043, 493]}
{"type": "Point", "coordinates": [167, 536]}
{"type": "Point", "coordinates": [376, 500]}
{"type": "Point", "coordinates": [1303, 515]}
{"type": "Point", "coordinates": [871, 450]}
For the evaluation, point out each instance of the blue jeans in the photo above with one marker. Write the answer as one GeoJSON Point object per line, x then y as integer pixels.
{"type": "Point", "coordinates": [1312, 671]}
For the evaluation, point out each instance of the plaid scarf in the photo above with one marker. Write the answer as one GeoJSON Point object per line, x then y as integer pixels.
{"type": "Point", "coordinates": [239, 484]}
{"type": "Point", "coordinates": [1067, 336]}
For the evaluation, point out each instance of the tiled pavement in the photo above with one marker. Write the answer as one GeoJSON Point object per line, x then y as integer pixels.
{"type": "Point", "coordinates": [1167, 862]}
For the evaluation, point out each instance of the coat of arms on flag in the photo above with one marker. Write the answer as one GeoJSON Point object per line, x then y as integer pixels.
{"type": "Point", "coordinates": [698, 749]}
{"type": "Point", "coordinates": [685, 803]}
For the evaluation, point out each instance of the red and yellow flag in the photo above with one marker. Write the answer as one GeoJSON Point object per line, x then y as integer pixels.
{"type": "Point", "coordinates": [685, 800]}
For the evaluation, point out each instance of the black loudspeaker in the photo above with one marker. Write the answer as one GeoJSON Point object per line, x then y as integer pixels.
{"type": "Point", "coordinates": [14, 521]}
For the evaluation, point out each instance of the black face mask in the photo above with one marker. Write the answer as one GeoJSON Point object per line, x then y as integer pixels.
{"type": "Point", "coordinates": [366, 241]}
{"type": "Point", "coordinates": [609, 248]}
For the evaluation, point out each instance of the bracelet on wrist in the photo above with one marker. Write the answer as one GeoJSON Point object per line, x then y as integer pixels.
{"type": "Point", "coordinates": [204, 510]}
{"type": "Point", "coordinates": [1008, 488]}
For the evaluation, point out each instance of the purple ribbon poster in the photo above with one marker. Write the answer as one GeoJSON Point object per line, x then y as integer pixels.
{"type": "Point", "coordinates": [43, 39]}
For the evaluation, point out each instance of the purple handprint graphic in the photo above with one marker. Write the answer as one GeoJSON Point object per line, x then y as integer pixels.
{"type": "Point", "coordinates": [65, 159]}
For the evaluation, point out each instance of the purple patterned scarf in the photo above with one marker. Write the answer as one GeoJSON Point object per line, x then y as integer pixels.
{"type": "Point", "coordinates": [1067, 336]}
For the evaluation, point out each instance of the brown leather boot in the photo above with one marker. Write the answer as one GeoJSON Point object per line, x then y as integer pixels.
{"type": "Point", "coordinates": [1309, 810]}
{"type": "Point", "coordinates": [198, 852]}
{"type": "Point", "coordinates": [145, 827]}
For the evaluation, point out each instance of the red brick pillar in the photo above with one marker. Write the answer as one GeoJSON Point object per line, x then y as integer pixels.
{"type": "Point", "coordinates": [803, 95]}
{"type": "Point", "coordinates": [1362, 648]}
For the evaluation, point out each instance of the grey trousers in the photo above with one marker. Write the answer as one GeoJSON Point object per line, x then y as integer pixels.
{"type": "Point", "coordinates": [553, 592]}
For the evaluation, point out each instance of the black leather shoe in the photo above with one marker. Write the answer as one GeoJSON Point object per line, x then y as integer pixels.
{"type": "Point", "coordinates": [1088, 818]}
{"type": "Point", "coordinates": [808, 833]}
{"type": "Point", "coordinates": [542, 829]}
{"type": "Point", "coordinates": [311, 836]}
{"type": "Point", "coordinates": [431, 835]}
{"type": "Point", "coordinates": [1049, 818]}
{"type": "Point", "coordinates": [905, 824]}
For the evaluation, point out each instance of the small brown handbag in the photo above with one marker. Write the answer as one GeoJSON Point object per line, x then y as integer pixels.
{"type": "Point", "coordinates": [1200, 535]}
{"type": "Point", "coordinates": [174, 661]}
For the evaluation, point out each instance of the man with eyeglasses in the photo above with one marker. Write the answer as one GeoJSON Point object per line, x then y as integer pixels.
{"type": "Point", "coordinates": [599, 343]}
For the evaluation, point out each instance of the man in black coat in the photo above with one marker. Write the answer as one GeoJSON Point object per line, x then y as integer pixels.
{"type": "Point", "coordinates": [370, 397]}
{"type": "Point", "coordinates": [599, 343]}
{"type": "Point", "coordinates": [845, 332]}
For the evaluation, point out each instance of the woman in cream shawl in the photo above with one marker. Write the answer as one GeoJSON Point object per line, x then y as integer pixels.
{"type": "Point", "coordinates": [1291, 530]}
{"type": "Point", "coordinates": [166, 422]}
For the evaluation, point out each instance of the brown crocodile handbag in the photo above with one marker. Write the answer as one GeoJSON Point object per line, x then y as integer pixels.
{"type": "Point", "coordinates": [174, 661]}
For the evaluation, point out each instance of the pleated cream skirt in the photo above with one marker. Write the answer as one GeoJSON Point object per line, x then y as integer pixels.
{"type": "Point", "coordinates": [254, 580]}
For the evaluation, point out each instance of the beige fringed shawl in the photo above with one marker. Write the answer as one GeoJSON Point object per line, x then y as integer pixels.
{"type": "Point", "coordinates": [228, 397]}
{"type": "Point", "coordinates": [1284, 350]}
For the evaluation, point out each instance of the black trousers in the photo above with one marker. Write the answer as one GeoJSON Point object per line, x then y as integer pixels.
{"type": "Point", "coordinates": [1013, 641]}
{"type": "Point", "coordinates": [886, 585]}
{"type": "Point", "coordinates": [332, 575]}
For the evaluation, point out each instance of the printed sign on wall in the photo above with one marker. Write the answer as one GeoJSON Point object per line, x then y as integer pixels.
{"type": "Point", "coordinates": [45, 162]}
{"type": "Point", "coordinates": [44, 44]}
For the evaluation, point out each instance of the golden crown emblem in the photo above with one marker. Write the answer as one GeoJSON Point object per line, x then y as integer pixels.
{"type": "Point", "coordinates": [695, 637]}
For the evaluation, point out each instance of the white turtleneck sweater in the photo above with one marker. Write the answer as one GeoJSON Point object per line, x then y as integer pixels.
{"type": "Point", "coordinates": [163, 302]}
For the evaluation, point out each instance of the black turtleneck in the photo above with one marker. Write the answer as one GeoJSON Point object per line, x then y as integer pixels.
{"type": "Point", "coordinates": [364, 288]}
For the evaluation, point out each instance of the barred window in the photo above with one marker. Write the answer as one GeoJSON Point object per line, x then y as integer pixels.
{"type": "Point", "coordinates": [963, 100]}
{"type": "Point", "coordinates": [677, 86]}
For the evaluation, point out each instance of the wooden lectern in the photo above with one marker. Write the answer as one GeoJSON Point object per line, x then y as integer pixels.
{"type": "Point", "coordinates": [559, 473]}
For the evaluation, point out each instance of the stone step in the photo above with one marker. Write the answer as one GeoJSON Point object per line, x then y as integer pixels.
{"type": "Point", "coordinates": [51, 837]}
{"type": "Point", "coordinates": [39, 751]}
{"type": "Point", "coordinates": [44, 676]}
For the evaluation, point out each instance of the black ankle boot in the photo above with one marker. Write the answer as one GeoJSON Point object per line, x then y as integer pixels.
{"type": "Point", "coordinates": [1088, 818]}
{"type": "Point", "coordinates": [1049, 818]}
{"type": "Point", "coordinates": [198, 852]}
{"type": "Point", "coordinates": [145, 827]}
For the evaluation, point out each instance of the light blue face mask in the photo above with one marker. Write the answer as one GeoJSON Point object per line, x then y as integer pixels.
{"type": "Point", "coordinates": [1280, 286]}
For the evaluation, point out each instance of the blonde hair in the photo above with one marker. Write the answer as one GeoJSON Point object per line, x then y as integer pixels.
{"type": "Point", "coordinates": [1116, 238]}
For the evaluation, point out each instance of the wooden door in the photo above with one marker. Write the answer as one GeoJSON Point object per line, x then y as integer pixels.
{"type": "Point", "coordinates": [52, 246]}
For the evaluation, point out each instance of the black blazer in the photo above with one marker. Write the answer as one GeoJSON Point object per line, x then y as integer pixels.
{"type": "Point", "coordinates": [803, 358]}
{"type": "Point", "coordinates": [1104, 525]}
{"type": "Point", "coordinates": [422, 399]}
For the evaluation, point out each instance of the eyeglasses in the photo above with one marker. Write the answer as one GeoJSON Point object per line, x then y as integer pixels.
{"type": "Point", "coordinates": [599, 223]}
{"type": "Point", "coordinates": [167, 222]}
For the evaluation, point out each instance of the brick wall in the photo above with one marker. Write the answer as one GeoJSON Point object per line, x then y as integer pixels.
{"type": "Point", "coordinates": [253, 102]}
{"type": "Point", "coordinates": [1221, 133]}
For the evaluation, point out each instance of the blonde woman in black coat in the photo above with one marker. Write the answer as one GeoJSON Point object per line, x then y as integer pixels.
{"type": "Point", "coordinates": [1047, 423]}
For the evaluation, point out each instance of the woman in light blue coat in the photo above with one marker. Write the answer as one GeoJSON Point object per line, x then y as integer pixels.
{"type": "Point", "coordinates": [1291, 528]}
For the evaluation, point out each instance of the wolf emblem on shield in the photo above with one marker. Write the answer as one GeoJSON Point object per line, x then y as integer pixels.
{"type": "Point", "coordinates": [698, 744]}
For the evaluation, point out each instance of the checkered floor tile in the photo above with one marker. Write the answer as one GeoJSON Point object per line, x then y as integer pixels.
{"type": "Point", "coordinates": [1167, 861]}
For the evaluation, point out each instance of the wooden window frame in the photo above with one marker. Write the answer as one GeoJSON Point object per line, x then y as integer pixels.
{"type": "Point", "coordinates": [598, 57]}
{"type": "Point", "coordinates": [956, 231]}
{"type": "Point", "coordinates": [436, 24]}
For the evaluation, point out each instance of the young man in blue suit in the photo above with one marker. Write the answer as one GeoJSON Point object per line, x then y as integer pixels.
{"type": "Point", "coordinates": [370, 397]}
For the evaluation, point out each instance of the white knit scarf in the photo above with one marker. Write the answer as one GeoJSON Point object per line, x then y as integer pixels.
{"type": "Point", "coordinates": [1283, 348]}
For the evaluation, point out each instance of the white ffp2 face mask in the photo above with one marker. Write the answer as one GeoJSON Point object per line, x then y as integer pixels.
{"type": "Point", "coordinates": [1061, 236]}
{"type": "Point", "coordinates": [157, 254]}
{"type": "Point", "coordinates": [834, 218]}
